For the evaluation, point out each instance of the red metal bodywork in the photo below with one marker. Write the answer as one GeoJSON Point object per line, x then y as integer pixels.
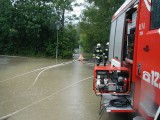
{"type": "Point", "coordinates": [148, 59]}
{"type": "Point", "coordinates": [146, 78]}
{"type": "Point", "coordinates": [145, 37]}
{"type": "Point", "coordinates": [109, 68]}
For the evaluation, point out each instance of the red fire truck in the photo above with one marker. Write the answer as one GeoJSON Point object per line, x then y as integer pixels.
{"type": "Point", "coordinates": [131, 80]}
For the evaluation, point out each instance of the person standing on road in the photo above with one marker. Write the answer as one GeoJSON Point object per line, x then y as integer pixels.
{"type": "Point", "coordinates": [105, 53]}
{"type": "Point", "coordinates": [98, 54]}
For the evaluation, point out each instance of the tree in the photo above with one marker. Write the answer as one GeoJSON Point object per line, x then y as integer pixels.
{"type": "Point", "coordinates": [6, 30]}
{"type": "Point", "coordinates": [95, 22]}
{"type": "Point", "coordinates": [69, 41]}
{"type": "Point", "coordinates": [27, 27]}
{"type": "Point", "coordinates": [61, 7]}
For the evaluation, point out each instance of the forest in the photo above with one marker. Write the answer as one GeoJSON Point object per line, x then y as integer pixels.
{"type": "Point", "coordinates": [27, 27]}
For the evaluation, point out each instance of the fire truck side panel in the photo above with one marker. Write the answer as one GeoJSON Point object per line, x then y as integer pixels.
{"type": "Point", "coordinates": [116, 37]}
{"type": "Point", "coordinates": [118, 30]}
{"type": "Point", "coordinates": [112, 38]}
{"type": "Point", "coordinates": [144, 65]}
{"type": "Point", "coordinates": [146, 62]}
{"type": "Point", "coordinates": [135, 78]}
{"type": "Point", "coordinates": [119, 37]}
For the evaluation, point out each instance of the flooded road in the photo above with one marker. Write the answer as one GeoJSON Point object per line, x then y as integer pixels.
{"type": "Point", "coordinates": [46, 89]}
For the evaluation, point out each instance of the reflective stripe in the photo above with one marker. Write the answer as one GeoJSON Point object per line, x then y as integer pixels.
{"type": "Point", "coordinates": [97, 50]}
{"type": "Point", "coordinates": [97, 57]}
{"type": "Point", "coordinates": [100, 50]}
{"type": "Point", "coordinates": [106, 49]}
{"type": "Point", "coordinates": [157, 114]}
{"type": "Point", "coordinates": [105, 56]}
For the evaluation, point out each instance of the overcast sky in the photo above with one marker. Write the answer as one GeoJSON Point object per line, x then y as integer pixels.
{"type": "Point", "coordinates": [77, 10]}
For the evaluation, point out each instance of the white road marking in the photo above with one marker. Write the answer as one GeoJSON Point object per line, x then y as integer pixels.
{"type": "Point", "coordinates": [34, 71]}
{"type": "Point", "coordinates": [48, 69]}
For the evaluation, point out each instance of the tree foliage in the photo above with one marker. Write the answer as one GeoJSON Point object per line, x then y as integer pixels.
{"type": "Point", "coordinates": [27, 27]}
{"type": "Point", "coordinates": [95, 23]}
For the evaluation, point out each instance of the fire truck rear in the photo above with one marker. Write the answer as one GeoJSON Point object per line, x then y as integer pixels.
{"type": "Point", "coordinates": [131, 80]}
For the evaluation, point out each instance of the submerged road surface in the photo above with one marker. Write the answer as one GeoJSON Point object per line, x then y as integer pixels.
{"type": "Point", "coordinates": [45, 89]}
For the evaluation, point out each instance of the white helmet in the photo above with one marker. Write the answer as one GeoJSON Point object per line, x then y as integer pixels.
{"type": "Point", "coordinates": [98, 45]}
{"type": "Point", "coordinates": [107, 43]}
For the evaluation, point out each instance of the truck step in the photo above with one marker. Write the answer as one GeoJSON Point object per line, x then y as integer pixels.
{"type": "Point", "coordinates": [106, 102]}
{"type": "Point", "coordinates": [139, 118]}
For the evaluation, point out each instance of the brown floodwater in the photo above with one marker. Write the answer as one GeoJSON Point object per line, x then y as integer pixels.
{"type": "Point", "coordinates": [49, 89]}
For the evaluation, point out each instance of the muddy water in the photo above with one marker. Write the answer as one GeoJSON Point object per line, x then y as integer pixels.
{"type": "Point", "coordinates": [29, 90]}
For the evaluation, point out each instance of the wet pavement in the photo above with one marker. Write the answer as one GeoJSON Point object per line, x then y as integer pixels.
{"type": "Point", "coordinates": [46, 89]}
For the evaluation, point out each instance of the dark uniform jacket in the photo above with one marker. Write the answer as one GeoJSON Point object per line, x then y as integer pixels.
{"type": "Point", "coordinates": [98, 53]}
{"type": "Point", "coordinates": [105, 53]}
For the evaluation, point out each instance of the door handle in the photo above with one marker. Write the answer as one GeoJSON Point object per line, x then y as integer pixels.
{"type": "Point", "coordinates": [146, 48]}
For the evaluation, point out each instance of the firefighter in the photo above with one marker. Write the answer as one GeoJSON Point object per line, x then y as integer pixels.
{"type": "Point", "coordinates": [105, 53]}
{"type": "Point", "coordinates": [98, 54]}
